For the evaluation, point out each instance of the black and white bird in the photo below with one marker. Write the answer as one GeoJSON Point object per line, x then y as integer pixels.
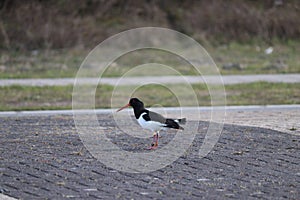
{"type": "Point", "coordinates": [151, 120]}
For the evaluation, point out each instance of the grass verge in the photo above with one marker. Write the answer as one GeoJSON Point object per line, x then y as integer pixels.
{"type": "Point", "coordinates": [239, 59]}
{"type": "Point", "coordinates": [60, 97]}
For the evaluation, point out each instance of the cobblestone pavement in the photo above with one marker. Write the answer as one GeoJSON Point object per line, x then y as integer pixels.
{"type": "Point", "coordinates": [42, 157]}
{"type": "Point", "coordinates": [227, 80]}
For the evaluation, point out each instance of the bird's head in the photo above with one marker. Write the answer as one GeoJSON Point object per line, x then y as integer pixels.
{"type": "Point", "coordinates": [133, 102]}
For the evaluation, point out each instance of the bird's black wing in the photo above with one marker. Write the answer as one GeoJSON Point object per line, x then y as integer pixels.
{"type": "Point", "coordinates": [169, 123]}
{"type": "Point", "coordinates": [157, 117]}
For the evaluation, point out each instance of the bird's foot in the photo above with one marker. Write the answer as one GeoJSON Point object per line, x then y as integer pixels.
{"type": "Point", "coordinates": [158, 136]}
{"type": "Point", "coordinates": [153, 146]}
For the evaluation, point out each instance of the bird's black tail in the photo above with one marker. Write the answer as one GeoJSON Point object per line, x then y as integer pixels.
{"type": "Point", "coordinates": [180, 121]}
{"type": "Point", "coordinates": [171, 123]}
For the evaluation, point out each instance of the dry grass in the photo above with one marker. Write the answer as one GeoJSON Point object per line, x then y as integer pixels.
{"type": "Point", "coordinates": [31, 24]}
{"type": "Point", "coordinates": [49, 39]}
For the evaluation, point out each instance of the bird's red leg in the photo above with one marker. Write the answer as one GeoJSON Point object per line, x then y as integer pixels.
{"type": "Point", "coordinates": [154, 144]}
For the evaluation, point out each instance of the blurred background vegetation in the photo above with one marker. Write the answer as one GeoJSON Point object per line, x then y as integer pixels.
{"type": "Point", "coordinates": [58, 24]}
{"type": "Point", "coordinates": [50, 39]}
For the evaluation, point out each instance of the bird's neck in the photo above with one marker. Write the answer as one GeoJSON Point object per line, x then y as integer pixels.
{"type": "Point", "coordinates": [138, 111]}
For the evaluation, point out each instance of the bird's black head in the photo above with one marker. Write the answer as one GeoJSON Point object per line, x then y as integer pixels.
{"type": "Point", "coordinates": [136, 103]}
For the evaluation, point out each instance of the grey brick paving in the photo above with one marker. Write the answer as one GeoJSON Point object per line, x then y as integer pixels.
{"type": "Point", "coordinates": [42, 157]}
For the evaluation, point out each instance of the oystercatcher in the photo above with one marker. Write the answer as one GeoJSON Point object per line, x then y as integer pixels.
{"type": "Point", "coordinates": [151, 120]}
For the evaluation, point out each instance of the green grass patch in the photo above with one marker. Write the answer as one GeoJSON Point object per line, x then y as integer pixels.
{"type": "Point", "coordinates": [41, 63]}
{"type": "Point", "coordinates": [262, 93]}
{"type": "Point", "coordinates": [250, 59]}
{"type": "Point", "coordinates": [60, 97]}
{"type": "Point", "coordinates": [44, 98]}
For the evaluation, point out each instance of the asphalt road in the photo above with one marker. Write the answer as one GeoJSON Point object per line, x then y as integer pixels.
{"type": "Point", "coordinates": [225, 79]}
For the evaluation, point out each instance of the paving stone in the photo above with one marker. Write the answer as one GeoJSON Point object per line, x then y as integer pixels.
{"type": "Point", "coordinates": [40, 159]}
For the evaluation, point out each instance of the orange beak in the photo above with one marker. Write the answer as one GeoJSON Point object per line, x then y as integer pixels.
{"type": "Point", "coordinates": [126, 106]}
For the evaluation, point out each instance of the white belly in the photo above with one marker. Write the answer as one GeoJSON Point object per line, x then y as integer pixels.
{"type": "Point", "coordinates": [151, 125]}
